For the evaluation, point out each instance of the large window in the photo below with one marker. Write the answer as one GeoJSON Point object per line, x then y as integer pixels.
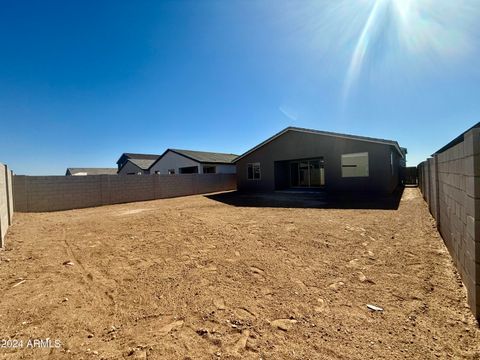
{"type": "Point", "coordinates": [355, 165]}
{"type": "Point", "coordinates": [188, 170]}
{"type": "Point", "coordinates": [209, 169]}
{"type": "Point", "coordinates": [253, 171]}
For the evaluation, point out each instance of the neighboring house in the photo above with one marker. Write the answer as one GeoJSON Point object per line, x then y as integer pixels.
{"type": "Point", "coordinates": [135, 164]}
{"type": "Point", "coordinates": [90, 171]}
{"type": "Point", "coordinates": [403, 161]}
{"type": "Point", "coordinates": [175, 161]}
{"type": "Point", "coordinates": [304, 158]}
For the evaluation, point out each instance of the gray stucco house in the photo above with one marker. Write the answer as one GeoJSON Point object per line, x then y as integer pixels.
{"type": "Point", "coordinates": [135, 164]}
{"type": "Point", "coordinates": [176, 161]}
{"type": "Point", "coordinates": [305, 158]}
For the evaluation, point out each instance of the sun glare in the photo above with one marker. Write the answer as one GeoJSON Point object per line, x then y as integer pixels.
{"type": "Point", "coordinates": [429, 31]}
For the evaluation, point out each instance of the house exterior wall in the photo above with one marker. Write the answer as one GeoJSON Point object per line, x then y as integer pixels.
{"type": "Point", "coordinates": [294, 145]}
{"type": "Point", "coordinates": [172, 160]}
{"type": "Point", "coordinates": [224, 168]}
{"type": "Point", "coordinates": [130, 167]}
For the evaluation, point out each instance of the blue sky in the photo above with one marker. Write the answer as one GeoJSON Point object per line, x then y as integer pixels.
{"type": "Point", "coordinates": [83, 81]}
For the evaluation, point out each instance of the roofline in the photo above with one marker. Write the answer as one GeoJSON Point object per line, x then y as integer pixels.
{"type": "Point", "coordinates": [121, 156]}
{"type": "Point", "coordinates": [126, 155]}
{"type": "Point", "coordinates": [125, 163]}
{"type": "Point", "coordinates": [104, 168]}
{"type": "Point", "coordinates": [70, 169]}
{"type": "Point", "coordinates": [325, 133]}
{"type": "Point", "coordinates": [201, 162]}
{"type": "Point", "coordinates": [161, 156]}
{"type": "Point", "coordinates": [189, 157]}
{"type": "Point", "coordinates": [455, 141]}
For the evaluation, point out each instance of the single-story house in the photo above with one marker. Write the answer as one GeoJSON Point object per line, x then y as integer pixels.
{"type": "Point", "coordinates": [90, 171]}
{"type": "Point", "coordinates": [305, 158]}
{"type": "Point", "coordinates": [176, 161]}
{"type": "Point", "coordinates": [135, 164]}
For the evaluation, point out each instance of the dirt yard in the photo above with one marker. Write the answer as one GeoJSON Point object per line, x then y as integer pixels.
{"type": "Point", "coordinates": [195, 278]}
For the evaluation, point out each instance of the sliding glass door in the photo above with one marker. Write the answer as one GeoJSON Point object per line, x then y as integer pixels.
{"type": "Point", "coordinates": [303, 174]}
{"type": "Point", "coordinates": [307, 173]}
{"type": "Point", "coordinates": [314, 167]}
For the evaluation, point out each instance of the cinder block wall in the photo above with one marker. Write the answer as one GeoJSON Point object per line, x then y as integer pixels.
{"type": "Point", "coordinates": [450, 183]}
{"type": "Point", "coordinates": [423, 175]}
{"type": "Point", "coordinates": [53, 193]}
{"type": "Point", "coordinates": [6, 202]}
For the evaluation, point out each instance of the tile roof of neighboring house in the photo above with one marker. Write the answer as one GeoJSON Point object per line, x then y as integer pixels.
{"type": "Point", "coordinates": [92, 171]}
{"type": "Point", "coordinates": [204, 157]}
{"type": "Point", "coordinates": [143, 164]}
{"type": "Point", "coordinates": [326, 133]}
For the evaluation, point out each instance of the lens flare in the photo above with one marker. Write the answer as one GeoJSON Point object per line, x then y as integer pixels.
{"type": "Point", "coordinates": [362, 46]}
{"type": "Point", "coordinates": [387, 37]}
{"type": "Point", "coordinates": [431, 31]}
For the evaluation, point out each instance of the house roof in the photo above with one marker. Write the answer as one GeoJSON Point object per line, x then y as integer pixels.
{"type": "Point", "coordinates": [141, 156]}
{"type": "Point", "coordinates": [325, 133]}
{"type": "Point", "coordinates": [91, 171]}
{"type": "Point", "coordinates": [206, 157]}
{"type": "Point", "coordinates": [138, 156]}
{"type": "Point", "coordinates": [203, 157]}
{"type": "Point", "coordinates": [143, 164]}
{"type": "Point", "coordinates": [456, 141]}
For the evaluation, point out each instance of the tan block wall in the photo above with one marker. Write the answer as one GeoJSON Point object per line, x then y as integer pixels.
{"type": "Point", "coordinates": [53, 193]}
{"type": "Point", "coordinates": [6, 202]}
{"type": "Point", "coordinates": [450, 183]}
{"type": "Point", "coordinates": [10, 195]}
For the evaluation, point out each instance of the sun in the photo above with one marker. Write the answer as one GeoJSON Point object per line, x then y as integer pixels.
{"type": "Point", "coordinates": [430, 31]}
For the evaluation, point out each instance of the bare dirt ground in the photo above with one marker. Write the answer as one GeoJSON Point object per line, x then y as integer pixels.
{"type": "Point", "coordinates": [194, 278]}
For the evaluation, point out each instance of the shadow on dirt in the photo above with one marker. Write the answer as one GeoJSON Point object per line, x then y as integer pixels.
{"type": "Point", "coordinates": [311, 199]}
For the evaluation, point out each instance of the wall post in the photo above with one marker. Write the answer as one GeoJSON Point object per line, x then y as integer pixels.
{"type": "Point", "coordinates": [8, 191]}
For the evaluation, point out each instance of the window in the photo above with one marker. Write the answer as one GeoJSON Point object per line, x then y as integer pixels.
{"type": "Point", "coordinates": [209, 169]}
{"type": "Point", "coordinates": [355, 165]}
{"type": "Point", "coordinates": [253, 171]}
{"type": "Point", "coordinates": [391, 163]}
{"type": "Point", "coordinates": [171, 171]}
{"type": "Point", "coordinates": [188, 170]}
{"type": "Point", "coordinates": [157, 172]}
